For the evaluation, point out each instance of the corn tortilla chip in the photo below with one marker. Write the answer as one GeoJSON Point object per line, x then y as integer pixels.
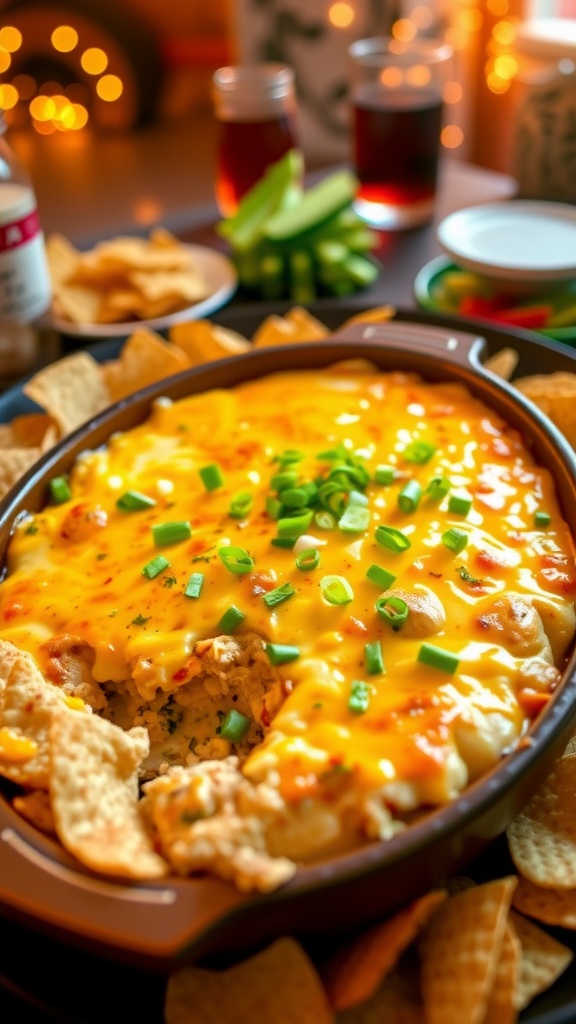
{"type": "Point", "coordinates": [204, 341]}
{"type": "Point", "coordinates": [35, 808]}
{"type": "Point", "coordinates": [375, 315]}
{"type": "Point", "coordinates": [542, 838]}
{"type": "Point", "coordinates": [460, 949]}
{"type": "Point", "coordinates": [555, 395]}
{"type": "Point", "coordinates": [396, 1001]}
{"type": "Point", "coordinates": [94, 793]}
{"type": "Point", "coordinates": [542, 960]}
{"type": "Point", "coordinates": [503, 363]}
{"type": "Point", "coordinates": [144, 359]}
{"type": "Point", "coordinates": [13, 464]}
{"type": "Point", "coordinates": [359, 966]}
{"type": "Point", "coordinates": [502, 1001]}
{"type": "Point", "coordinates": [277, 986]}
{"type": "Point", "coordinates": [551, 906]}
{"type": "Point", "coordinates": [71, 391]}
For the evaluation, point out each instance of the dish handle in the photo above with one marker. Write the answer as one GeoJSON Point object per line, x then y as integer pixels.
{"type": "Point", "coordinates": [459, 347]}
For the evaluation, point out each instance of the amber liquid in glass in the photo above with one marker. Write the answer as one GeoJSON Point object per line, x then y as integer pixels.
{"type": "Point", "coordinates": [245, 150]}
{"type": "Point", "coordinates": [396, 142]}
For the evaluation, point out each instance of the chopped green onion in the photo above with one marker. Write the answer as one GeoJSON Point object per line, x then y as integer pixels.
{"type": "Point", "coordinates": [384, 475]}
{"type": "Point", "coordinates": [278, 595]}
{"type": "Point", "coordinates": [436, 657]}
{"type": "Point", "coordinates": [281, 654]}
{"type": "Point", "coordinates": [60, 490]}
{"type": "Point", "coordinates": [283, 542]}
{"type": "Point", "coordinates": [294, 526]}
{"type": "Point", "coordinates": [134, 501]}
{"type": "Point", "coordinates": [155, 566]}
{"type": "Point", "coordinates": [438, 488]}
{"type": "Point", "coordinates": [356, 519]}
{"type": "Point", "coordinates": [419, 452]}
{"type": "Point", "coordinates": [280, 481]}
{"type": "Point", "coordinates": [336, 590]}
{"type": "Point", "coordinates": [358, 498]}
{"type": "Point", "coordinates": [240, 504]}
{"type": "Point", "coordinates": [234, 726]}
{"type": "Point", "coordinates": [455, 539]}
{"type": "Point", "coordinates": [171, 533]}
{"type": "Point", "coordinates": [460, 504]}
{"type": "Point", "coordinates": [211, 476]}
{"type": "Point", "coordinates": [466, 576]}
{"type": "Point", "coordinates": [308, 559]}
{"type": "Point", "coordinates": [289, 457]}
{"type": "Point", "coordinates": [393, 610]}
{"type": "Point", "coordinates": [359, 699]}
{"type": "Point", "coordinates": [273, 507]}
{"type": "Point", "coordinates": [409, 496]}
{"type": "Point", "coordinates": [542, 518]}
{"type": "Point", "coordinates": [195, 584]}
{"type": "Point", "coordinates": [294, 497]}
{"type": "Point", "coordinates": [332, 454]}
{"type": "Point", "coordinates": [236, 560]}
{"type": "Point", "coordinates": [325, 520]}
{"type": "Point", "coordinates": [231, 618]}
{"type": "Point", "coordinates": [381, 577]}
{"type": "Point", "coordinates": [373, 658]}
{"type": "Point", "coordinates": [333, 496]}
{"type": "Point", "coordinates": [391, 538]}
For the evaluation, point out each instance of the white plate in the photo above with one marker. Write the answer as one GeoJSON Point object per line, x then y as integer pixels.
{"type": "Point", "coordinates": [221, 279]}
{"type": "Point", "coordinates": [520, 241]}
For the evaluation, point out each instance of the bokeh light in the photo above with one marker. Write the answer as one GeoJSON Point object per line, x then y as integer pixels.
{"type": "Point", "coordinates": [8, 97]}
{"type": "Point", "coordinates": [451, 136]}
{"type": "Point", "coordinates": [5, 59]}
{"type": "Point", "coordinates": [64, 38]}
{"type": "Point", "coordinates": [109, 88]}
{"type": "Point", "coordinates": [341, 14]}
{"type": "Point", "coordinates": [10, 38]}
{"type": "Point", "coordinates": [94, 61]}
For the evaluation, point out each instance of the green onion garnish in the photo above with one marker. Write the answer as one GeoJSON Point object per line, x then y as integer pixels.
{"type": "Point", "coordinates": [466, 576]}
{"type": "Point", "coordinates": [373, 658]}
{"type": "Point", "coordinates": [294, 497]}
{"type": "Point", "coordinates": [60, 490]}
{"type": "Point", "coordinates": [232, 617]}
{"type": "Point", "coordinates": [336, 590]}
{"type": "Point", "coordinates": [236, 560]}
{"type": "Point", "coordinates": [381, 577]}
{"type": "Point", "coordinates": [358, 498]}
{"type": "Point", "coordinates": [359, 699]}
{"type": "Point", "coordinates": [234, 726]}
{"type": "Point", "coordinates": [460, 504]}
{"type": "Point", "coordinates": [409, 496]}
{"type": "Point", "coordinates": [155, 566]}
{"type": "Point", "coordinates": [211, 476]}
{"type": "Point", "coordinates": [308, 559]}
{"type": "Point", "coordinates": [134, 501]}
{"type": "Point", "coordinates": [171, 533]}
{"type": "Point", "coordinates": [391, 538]}
{"type": "Point", "coordinates": [273, 507]}
{"type": "Point", "coordinates": [240, 504]}
{"type": "Point", "coordinates": [436, 657]}
{"type": "Point", "coordinates": [393, 610]}
{"type": "Point", "coordinates": [325, 520]}
{"type": "Point", "coordinates": [278, 595]}
{"type": "Point", "coordinates": [280, 481]}
{"type": "Point", "coordinates": [294, 526]}
{"type": "Point", "coordinates": [384, 475]}
{"type": "Point", "coordinates": [455, 539]}
{"type": "Point", "coordinates": [356, 519]}
{"type": "Point", "coordinates": [542, 518]}
{"type": "Point", "coordinates": [281, 654]}
{"type": "Point", "coordinates": [438, 488]}
{"type": "Point", "coordinates": [283, 542]}
{"type": "Point", "coordinates": [195, 584]}
{"type": "Point", "coordinates": [419, 452]}
{"type": "Point", "coordinates": [289, 457]}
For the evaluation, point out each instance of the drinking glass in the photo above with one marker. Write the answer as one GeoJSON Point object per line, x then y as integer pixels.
{"type": "Point", "coordinates": [397, 107]}
{"type": "Point", "coordinates": [255, 108]}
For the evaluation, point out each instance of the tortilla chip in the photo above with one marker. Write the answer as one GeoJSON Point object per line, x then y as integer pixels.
{"type": "Point", "coordinates": [29, 704]}
{"type": "Point", "coordinates": [542, 838]}
{"type": "Point", "coordinates": [277, 986]}
{"type": "Point", "coordinates": [203, 341]}
{"type": "Point", "coordinates": [296, 325]}
{"type": "Point", "coordinates": [555, 395]}
{"type": "Point", "coordinates": [542, 960]}
{"type": "Point", "coordinates": [71, 390]}
{"type": "Point", "coordinates": [144, 359]}
{"type": "Point", "coordinates": [93, 779]}
{"type": "Point", "coordinates": [35, 808]}
{"type": "Point", "coordinates": [460, 949]}
{"type": "Point", "coordinates": [13, 464]}
{"type": "Point", "coordinates": [358, 967]}
{"type": "Point", "coordinates": [63, 258]}
{"type": "Point", "coordinates": [133, 253]}
{"type": "Point", "coordinates": [375, 315]}
{"type": "Point", "coordinates": [396, 1001]}
{"type": "Point", "coordinates": [551, 906]}
{"type": "Point", "coordinates": [184, 287]}
{"type": "Point", "coordinates": [503, 363]}
{"type": "Point", "coordinates": [502, 1001]}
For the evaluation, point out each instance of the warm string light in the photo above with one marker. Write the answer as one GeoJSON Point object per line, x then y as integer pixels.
{"type": "Point", "coordinates": [51, 107]}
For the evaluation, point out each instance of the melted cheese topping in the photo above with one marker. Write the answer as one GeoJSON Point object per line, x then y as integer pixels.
{"type": "Point", "coordinates": [76, 569]}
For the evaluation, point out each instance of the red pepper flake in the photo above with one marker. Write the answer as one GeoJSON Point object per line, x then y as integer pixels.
{"type": "Point", "coordinates": [180, 675]}
{"type": "Point", "coordinates": [532, 701]}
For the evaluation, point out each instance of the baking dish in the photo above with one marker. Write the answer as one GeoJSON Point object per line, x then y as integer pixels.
{"type": "Point", "coordinates": [163, 923]}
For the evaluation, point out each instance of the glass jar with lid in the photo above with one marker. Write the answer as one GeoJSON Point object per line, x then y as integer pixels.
{"type": "Point", "coordinates": [544, 137]}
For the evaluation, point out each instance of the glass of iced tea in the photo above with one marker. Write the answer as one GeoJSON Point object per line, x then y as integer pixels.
{"type": "Point", "coordinates": [396, 99]}
{"type": "Point", "coordinates": [255, 108]}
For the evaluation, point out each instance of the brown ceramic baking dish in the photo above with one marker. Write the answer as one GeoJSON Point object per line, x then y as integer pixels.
{"type": "Point", "coordinates": [163, 923]}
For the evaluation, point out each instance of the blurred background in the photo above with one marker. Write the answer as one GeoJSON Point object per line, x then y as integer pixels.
{"type": "Point", "coordinates": [107, 102]}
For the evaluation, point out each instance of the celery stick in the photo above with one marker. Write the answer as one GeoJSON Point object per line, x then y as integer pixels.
{"type": "Point", "coordinates": [360, 270]}
{"type": "Point", "coordinates": [302, 283]}
{"type": "Point", "coordinates": [330, 253]}
{"type": "Point", "coordinates": [280, 184]}
{"type": "Point", "coordinates": [317, 205]}
{"type": "Point", "coordinates": [272, 276]}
